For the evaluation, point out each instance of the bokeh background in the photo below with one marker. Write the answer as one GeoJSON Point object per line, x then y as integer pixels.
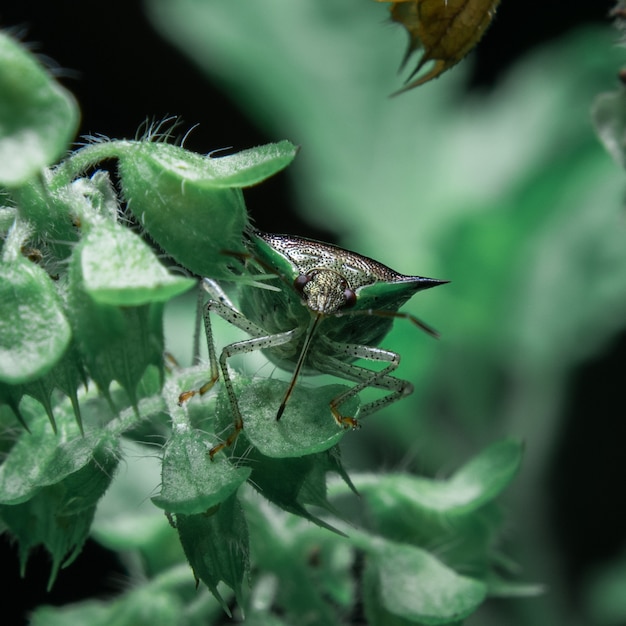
{"type": "Point", "coordinates": [491, 177]}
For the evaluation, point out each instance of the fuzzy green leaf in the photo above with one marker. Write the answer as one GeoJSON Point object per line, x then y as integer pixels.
{"type": "Point", "coordinates": [192, 221]}
{"type": "Point", "coordinates": [126, 520]}
{"type": "Point", "coordinates": [67, 375]}
{"type": "Point", "coordinates": [34, 332]}
{"type": "Point", "coordinates": [252, 166]}
{"type": "Point", "coordinates": [118, 268]}
{"type": "Point", "coordinates": [483, 478]}
{"type": "Point", "coordinates": [502, 588]}
{"type": "Point", "coordinates": [609, 118]}
{"type": "Point", "coordinates": [314, 568]}
{"type": "Point", "coordinates": [115, 342]}
{"type": "Point", "coordinates": [50, 485]}
{"type": "Point", "coordinates": [159, 609]}
{"type": "Point", "coordinates": [191, 482]}
{"type": "Point", "coordinates": [293, 483]}
{"type": "Point", "coordinates": [458, 512]}
{"type": "Point", "coordinates": [467, 537]}
{"type": "Point", "coordinates": [192, 205]}
{"type": "Point", "coordinates": [306, 427]}
{"type": "Point", "coordinates": [478, 482]}
{"type": "Point", "coordinates": [38, 118]}
{"type": "Point", "coordinates": [291, 474]}
{"type": "Point", "coordinates": [264, 619]}
{"type": "Point", "coordinates": [142, 605]}
{"type": "Point", "coordinates": [412, 584]}
{"type": "Point", "coordinates": [42, 458]}
{"type": "Point", "coordinates": [55, 214]}
{"type": "Point", "coordinates": [216, 546]}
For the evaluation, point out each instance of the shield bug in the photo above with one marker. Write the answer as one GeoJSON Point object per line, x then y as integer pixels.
{"type": "Point", "coordinates": [332, 308]}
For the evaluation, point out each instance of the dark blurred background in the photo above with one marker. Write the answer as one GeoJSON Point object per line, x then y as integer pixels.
{"type": "Point", "coordinates": [122, 73]}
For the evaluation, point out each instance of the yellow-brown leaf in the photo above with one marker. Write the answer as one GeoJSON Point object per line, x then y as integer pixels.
{"type": "Point", "coordinates": [446, 30]}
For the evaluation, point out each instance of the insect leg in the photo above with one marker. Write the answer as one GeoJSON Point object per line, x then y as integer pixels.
{"type": "Point", "coordinates": [227, 311]}
{"type": "Point", "coordinates": [261, 340]}
{"type": "Point", "coordinates": [220, 304]}
{"type": "Point", "coordinates": [365, 378]}
{"type": "Point", "coordinates": [244, 347]}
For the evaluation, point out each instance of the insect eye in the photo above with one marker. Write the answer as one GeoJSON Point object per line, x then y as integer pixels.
{"type": "Point", "coordinates": [300, 282]}
{"type": "Point", "coordinates": [350, 297]}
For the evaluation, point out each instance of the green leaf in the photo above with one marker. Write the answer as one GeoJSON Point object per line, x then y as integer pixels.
{"type": "Point", "coordinates": [412, 584]}
{"type": "Point", "coordinates": [306, 427]}
{"type": "Point", "coordinates": [97, 193]}
{"type": "Point", "coordinates": [502, 588]}
{"type": "Point", "coordinates": [168, 189]}
{"type": "Point", "coordinates": [477, 483]}
{"type": "Point", "coordinates": [138, 607]}
{"type": "Point", "coordinates": [42, 458]}
{"type": "Point", "coordinates": [291, 475]}
{"type": "Point", "coordinates": [458, 513]}
{"type": "Point", "coordinates": [609, 118]}
{"type": "Point", "coordinates": [294, 483]}
{"type": "Point", "coordinates": [252, 166]}
{"type": "Point", "coordinates": [191, 482]}
{"type": "Point", "coordinates": [67, 375]}
{"type": "Point", "coordinates": [126, 519]}
{"type": "Point", "coordinates": [53, 217]}
{"type": "Point", "coordinates": [38, 118]}
{"type": "Point", "coordinates": [7, 217]}
{"type": "Point", "coordinates": [161, 600]}
{"type": "Point", "coordinates": [34, 332]}
{"type": "Point", "coordinates": [312, 569]}
{"type": "Point", "coordinates": [50, 485]}
{"type": "Point", "coordinates": [216, 546]}
{"type": "Point", "coordinates": [264, 619]}
{"type": "Point", "coordinates": [483, 478]}
{"type": "Point", "coordinates": [115, 342]}
{"type": "Point", "coordinates": [191, 204]}
{"type": "Point", "coordinates": [119, 269]}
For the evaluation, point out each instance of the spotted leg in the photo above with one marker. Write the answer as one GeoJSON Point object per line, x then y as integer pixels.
{"type": "Point", "coordinates": [260, 340]}
{"type": "Point", "coordinates": [363, 377]}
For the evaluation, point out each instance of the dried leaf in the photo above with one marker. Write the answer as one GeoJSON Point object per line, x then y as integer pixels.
{"type": "Point", "coordinates": [446, 30]}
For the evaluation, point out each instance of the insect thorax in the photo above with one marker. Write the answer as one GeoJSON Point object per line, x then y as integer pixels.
{"type": "Point", "coordinates": [306, 255]}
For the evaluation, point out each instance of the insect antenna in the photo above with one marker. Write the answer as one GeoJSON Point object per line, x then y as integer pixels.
{"type": "Point", "coordinates": [305, 348]}
{"type": "Point", "coordinates": [429, 330]}
{"type": "Point", "coordinates": [423, 283]}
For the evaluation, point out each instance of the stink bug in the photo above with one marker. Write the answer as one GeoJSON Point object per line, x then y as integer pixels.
{"type": "Point", "coordinates": [332, 307]}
